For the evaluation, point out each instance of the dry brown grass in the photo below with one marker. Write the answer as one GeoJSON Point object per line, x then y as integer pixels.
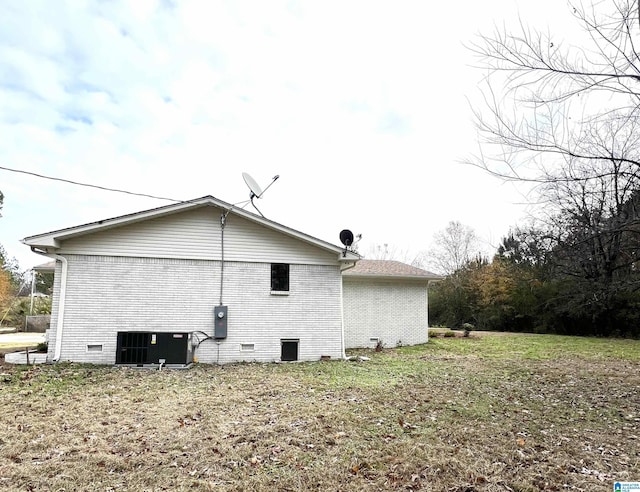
{"type": "Point", "coordinates": [440, 417]}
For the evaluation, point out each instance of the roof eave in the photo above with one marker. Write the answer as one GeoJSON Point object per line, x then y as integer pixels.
{"type": "Point", "coordinates": [47, 242]}
{"type": "Point", "coordinates": [45, 267]}
{"type": "Point", "coordinates": [375, 276]}
{"type": "Point", "coordinates": [348, 257]}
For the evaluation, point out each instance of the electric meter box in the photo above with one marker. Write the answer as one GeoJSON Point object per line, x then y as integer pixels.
{"type": "Point", "coordinates": [220, 322]}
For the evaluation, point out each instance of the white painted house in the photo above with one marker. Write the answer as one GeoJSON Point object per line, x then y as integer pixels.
{"type": "Point", "coordinates": [198, 280]}
{"type": "Point", "coordinates": [387, 302]}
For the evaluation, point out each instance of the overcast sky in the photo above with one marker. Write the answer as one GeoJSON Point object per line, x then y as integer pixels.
{"type": "Point", "coordinates": [361, 108]}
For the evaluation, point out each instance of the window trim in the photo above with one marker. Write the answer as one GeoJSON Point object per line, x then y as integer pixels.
{"type": "Point", "coordinates": [280, 293]}
{"type": "Point", "coordinates": [295, 341]}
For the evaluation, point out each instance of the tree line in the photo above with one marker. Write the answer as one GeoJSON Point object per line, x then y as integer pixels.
{"type": "Point", "coordinates": [560, 114]}
{"type": "Point", "coordinates": [571, 282]}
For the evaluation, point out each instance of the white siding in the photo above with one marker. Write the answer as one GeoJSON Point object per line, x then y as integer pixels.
{"type": "Point", "coordinates": [196, 234]}
{"type": "Point", "coordinates": [110, 294]}
{"type": "Point", "coordinates": [391, 311]}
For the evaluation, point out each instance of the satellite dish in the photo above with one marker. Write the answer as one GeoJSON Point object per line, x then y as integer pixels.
{"type": "Point", "coordinates": [256, 191]}
{"type": "Point", "coordinates": [253, 186]}
{"type": "Point", "coordinates": [346, 237]}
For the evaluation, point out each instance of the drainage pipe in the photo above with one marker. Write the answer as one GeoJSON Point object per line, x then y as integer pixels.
{"type": "Point", "coordinates": [343, 348]}
{"type": "Point", "coordinates": [61, 299]}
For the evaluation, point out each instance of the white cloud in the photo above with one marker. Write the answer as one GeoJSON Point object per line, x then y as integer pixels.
{"type": "Point", "coordinates": [359, 106]}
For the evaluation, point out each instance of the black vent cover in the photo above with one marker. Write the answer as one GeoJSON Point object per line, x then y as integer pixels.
{"type": "Point", "coordinates": [142, 348]}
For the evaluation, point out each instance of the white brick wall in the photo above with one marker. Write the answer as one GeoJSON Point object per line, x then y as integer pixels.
{"type": "Point", "coordinates": [110, 294]}
{"type": "Point", "coordinates": [392, 311]}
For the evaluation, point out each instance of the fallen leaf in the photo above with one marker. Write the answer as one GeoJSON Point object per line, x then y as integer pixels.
{"type": "Point", "coordinates": [359, 467]}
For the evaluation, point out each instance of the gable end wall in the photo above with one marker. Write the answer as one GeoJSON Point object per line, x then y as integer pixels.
{"type": "Point", "coordinates": [197, 235]}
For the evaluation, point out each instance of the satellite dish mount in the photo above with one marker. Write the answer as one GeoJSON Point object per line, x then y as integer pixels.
{"type": "Point", "coordinates": [346, 238]}
{"type": "Point", "coordinates": [255, 191]}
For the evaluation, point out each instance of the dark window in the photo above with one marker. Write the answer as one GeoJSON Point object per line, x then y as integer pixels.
{"type": "Point", "coordinates": [289, 350]}
{"type": "Point", "coordinates": [280, 277]}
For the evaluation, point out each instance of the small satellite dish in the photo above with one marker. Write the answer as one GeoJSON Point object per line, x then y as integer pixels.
{"type": "Point", "coordinates": [256, 191]}
{"type": "Point", "coordinates": [346, 237]}
{"type": "Point", "coordinates": [253, 186]}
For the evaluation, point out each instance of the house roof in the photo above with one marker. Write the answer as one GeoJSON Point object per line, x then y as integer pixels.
{"type": "Point", "coordinates": [53, 239]}
{"type": "Point", "coordinates": [389, 269]}
{"type": "Point", "coordinates": [49, 266]}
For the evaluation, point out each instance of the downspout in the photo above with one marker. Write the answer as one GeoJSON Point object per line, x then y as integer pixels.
{"type": "Point", "coordinates": [343, 349]}
{"type": "Point", "coordinates": [61, 299]}
{"type": "Point", "coordinates": [429, 282]}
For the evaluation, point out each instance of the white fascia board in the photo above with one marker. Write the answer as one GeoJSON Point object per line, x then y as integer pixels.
{"type": "Point", "coordinates": [348, 256]}
{"type": "Point", "coordinates": [45, 242]}
{"type": "Point", "coordinates": [374, 276]}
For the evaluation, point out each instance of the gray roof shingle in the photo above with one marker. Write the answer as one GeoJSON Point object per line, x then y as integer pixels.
{"type": "Point", "coordinates": [389, 268]}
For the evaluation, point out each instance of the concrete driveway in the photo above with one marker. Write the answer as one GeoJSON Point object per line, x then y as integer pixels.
{"type": "Point", "coordinates": [13, 344]}
{"type": "Point", "coordinates": [20, 340]}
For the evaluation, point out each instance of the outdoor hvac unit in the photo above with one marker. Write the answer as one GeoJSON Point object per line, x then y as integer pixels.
{"type": "Point", "coordinates": [141, 347]}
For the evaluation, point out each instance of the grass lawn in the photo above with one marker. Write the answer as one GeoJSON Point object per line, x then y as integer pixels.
{"type": "Point", "coordinates": [491, 413]}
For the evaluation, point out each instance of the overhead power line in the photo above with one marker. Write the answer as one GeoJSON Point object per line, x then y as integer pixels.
{"type": "Point", "coordinates": [88, 185]}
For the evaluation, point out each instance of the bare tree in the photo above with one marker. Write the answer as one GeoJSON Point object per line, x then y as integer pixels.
{"type": "Point", "coordinates": [566, 116]}
{"type": "Point", "coordinates": [547, 102]}
{"type": "Point", "coordinates": [391, 252]}
{"type": "Point", "coordinates": [453, 248]}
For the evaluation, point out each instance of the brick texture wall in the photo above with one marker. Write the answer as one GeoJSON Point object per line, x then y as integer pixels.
{"type": "Point", "coordinates": [395, 312]}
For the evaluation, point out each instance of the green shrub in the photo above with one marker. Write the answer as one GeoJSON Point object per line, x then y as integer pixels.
{"type": "Point", "coordinates": [467, 327]}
